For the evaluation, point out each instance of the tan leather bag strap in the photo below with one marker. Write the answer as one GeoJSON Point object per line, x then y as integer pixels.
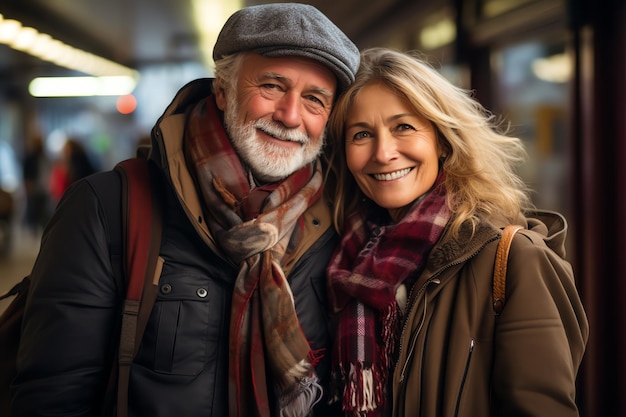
{"type": "Point", "coordinates": [499, 269]}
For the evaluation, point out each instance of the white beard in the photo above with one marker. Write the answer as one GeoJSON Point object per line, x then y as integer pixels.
{"type": "Point", "coordinates": [269, 162]}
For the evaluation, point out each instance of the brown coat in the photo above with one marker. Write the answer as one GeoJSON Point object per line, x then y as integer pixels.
{"type": "Point", "coordinates": [457, 360]}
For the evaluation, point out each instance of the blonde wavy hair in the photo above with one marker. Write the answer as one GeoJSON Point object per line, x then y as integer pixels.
{"type": "Point", "coordinates": [481, 158]}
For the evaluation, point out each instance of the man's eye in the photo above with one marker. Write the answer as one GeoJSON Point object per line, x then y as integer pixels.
{"type": "Point", "coordinates": [315, 100]}
{"type": "Point", "coordinates": [275, 87]}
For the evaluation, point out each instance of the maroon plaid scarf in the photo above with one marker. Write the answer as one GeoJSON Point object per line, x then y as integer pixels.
{"type": "Point", "coordinates": [364, 274]}
{"type": "Point", "coordinates": [253, 227]}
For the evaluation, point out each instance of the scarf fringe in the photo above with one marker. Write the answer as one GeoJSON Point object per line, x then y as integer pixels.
{"type": "Point", "coordinates": [301, 398]}
{"type": "Point", "coordinates": [364, 385]}
{"type": "Point", "coordinates": [315, 356]}
{"type": "Point", "coordinates": [390, 318]}
{"type": "Point", "coordinates": [361, 393]}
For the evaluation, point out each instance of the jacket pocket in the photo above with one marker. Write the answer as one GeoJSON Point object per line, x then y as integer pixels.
{"type": "Point", "coordinates": [185, 326]}
{"type": "Point", "coordinates": [464, 378]}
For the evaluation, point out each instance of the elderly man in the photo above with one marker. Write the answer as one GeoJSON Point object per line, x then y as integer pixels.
{"type": "Point", "coordinates": [244, 221]}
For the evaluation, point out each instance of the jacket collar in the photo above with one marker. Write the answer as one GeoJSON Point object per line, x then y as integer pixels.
{"type": "Point", "coordinates": [455, 250]}
{"type": "Point", "coordinates": [549, 226]}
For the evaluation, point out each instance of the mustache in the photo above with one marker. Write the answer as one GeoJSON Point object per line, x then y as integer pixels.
{"type": "Point", "coordinates": [279, 132]}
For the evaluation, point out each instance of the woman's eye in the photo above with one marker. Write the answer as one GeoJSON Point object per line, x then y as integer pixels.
{"type": "Point", "coordinates": [404, 126]}
{"type": "Point", "coordinates": [360, 135]}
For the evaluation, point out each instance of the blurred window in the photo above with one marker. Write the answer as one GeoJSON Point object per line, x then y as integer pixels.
{"type": "Point", "coordinates": [492, 8]}
{"type": "Point", "coordinates": [531, 91]}
{"type": "Point", "coordinates": [10, 172]}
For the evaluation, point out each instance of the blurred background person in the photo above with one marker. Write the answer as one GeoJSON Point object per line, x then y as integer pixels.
{"type": "Point", "coordinates": [74, 163]}
{"type": "Point", "coordinates": [35, 170]}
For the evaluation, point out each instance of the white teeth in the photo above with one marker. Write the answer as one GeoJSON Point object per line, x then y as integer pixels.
{"type": "Point", "coordinates": [392, 175]}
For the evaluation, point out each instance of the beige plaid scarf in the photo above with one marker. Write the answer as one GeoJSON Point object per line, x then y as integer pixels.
{"type": "Point", "coordinates": [254, 228]}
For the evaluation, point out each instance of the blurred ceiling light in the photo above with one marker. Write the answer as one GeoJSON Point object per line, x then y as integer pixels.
{"type": "Point", "coordinates": [24, 39]}
{"type": "Point", "coordinates": [439, 34]}
{"type": "Point", "coordinates": [46, 48]}
{"type": "Point", "coordinates": [81, 86]}
{"type": "Point", "coordinates": [126, 104]}
{"type": "Point", "coordinates": [210, 16]}
{"type": "Point", "coordinates": [9, 29]}
{"type": "Point", "coordinates": [41, 46]}
{"type": "Point", "coordinates": [555, 69]}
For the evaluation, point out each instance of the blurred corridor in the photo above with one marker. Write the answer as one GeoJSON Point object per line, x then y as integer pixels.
{"type": "Point", "coordinates": [19, 261]}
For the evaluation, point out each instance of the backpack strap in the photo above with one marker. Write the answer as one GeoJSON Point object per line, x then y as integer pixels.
{"type": "Point", "coordinates": [136, 269]}
{"type": "Point", "coordinates": [500, 266]}
{"type": "Point", "coordinates": [18, 288]}
{"type": "Point", "coordinates": [142, 228]}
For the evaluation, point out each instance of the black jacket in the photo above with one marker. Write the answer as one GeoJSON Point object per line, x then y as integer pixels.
{"type": "Point", "coordinates": [71, 323]}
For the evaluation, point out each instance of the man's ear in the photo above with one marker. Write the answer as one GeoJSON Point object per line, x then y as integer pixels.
{"type": "Point", "coordinates": [220, 96]}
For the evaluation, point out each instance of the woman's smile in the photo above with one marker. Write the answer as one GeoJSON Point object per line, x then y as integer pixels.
{"type": "Point", "coordinates": [390, 176]}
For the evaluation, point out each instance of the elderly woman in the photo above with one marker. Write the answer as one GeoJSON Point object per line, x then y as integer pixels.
{"type": "Point", "coordinates": [423, 182]}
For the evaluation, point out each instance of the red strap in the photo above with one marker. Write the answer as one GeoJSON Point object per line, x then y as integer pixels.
{"type": "Point", "coordinates": [138, 223]}
{"type": "Point", "coordinates": [142, 231]}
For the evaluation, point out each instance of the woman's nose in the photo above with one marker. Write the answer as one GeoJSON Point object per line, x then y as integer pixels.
{"type": "Point", "coordinates": [385, 148]}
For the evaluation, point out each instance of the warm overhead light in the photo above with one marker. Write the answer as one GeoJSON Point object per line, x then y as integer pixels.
{"type": "Point", "coordinates": [44, 47]}
{"type": "Point", "coordinates": [81, 86]}
{"type": "Point", "coordinates": [126, 104]}
{"type": "Point", "coordinates": [9, 29]}
{"type": "Point", "coordinates": [439, 34]}
{"type": "Point", "coordinates": [24, 39]}
{"type": "Point", "coordinates": [556, 68]}
{"type": "Point", "coordinates": [210, 16]}
{"type": "Point", "coordinates": [41, 46]}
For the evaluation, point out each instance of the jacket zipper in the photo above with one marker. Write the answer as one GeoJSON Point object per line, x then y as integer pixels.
{"type": "Point", "coordinates": [434, 280]}
{"type": "Point", "coordinates": [419, 327]}
{"type": "Point", "coordinates": [465, 372]}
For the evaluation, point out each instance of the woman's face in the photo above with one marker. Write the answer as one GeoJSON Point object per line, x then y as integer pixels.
{"type": "Point", "coordinates": [391, 150]}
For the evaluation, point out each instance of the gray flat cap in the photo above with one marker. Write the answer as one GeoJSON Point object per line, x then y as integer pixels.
{"type": "Point", "coordinates": [286, 29]}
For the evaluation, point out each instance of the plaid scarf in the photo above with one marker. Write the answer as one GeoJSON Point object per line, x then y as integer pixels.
{"type": "Point", "coordinates": [254, 227]}
{"type": "Point", "coordinates": [372, 261]}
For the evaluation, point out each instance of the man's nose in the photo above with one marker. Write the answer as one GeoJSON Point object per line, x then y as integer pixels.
{"type": "Point", "coordinates": [288, 110]}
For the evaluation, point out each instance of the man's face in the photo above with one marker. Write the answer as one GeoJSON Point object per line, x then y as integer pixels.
{"type": "Point", "coordinates": [277, 114]}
